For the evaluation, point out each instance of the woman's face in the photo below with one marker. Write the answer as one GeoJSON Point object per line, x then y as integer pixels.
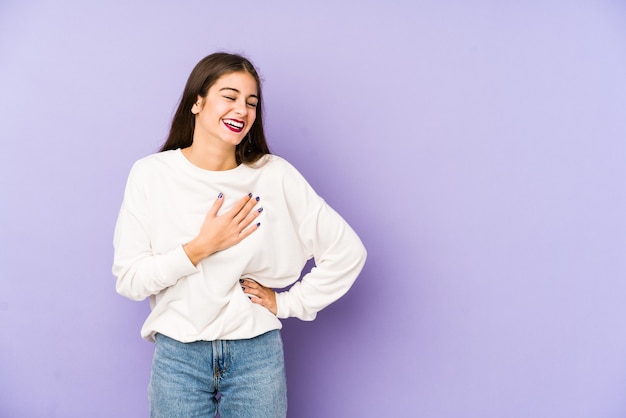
{"type": "Point", "coordinates": [228, 111]}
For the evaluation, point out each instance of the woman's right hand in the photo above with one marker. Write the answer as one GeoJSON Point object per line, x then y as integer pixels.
{"type": "Point", "coordinates": [221, 232]}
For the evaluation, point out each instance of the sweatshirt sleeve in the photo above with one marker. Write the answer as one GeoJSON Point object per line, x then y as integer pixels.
{"type": "Point", "coordinates": [338, 252]}
{"type": "Point", "coordinates": [139, 272]}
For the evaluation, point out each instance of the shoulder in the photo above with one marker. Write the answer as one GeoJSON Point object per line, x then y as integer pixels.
{"type": "Point", "coordinates": [150, 166]}
{"type": "Point", "coordinates": [278, 166]}
{"type": "Point", "coordinates": [156, 160]}
{"type": "Point", "coordinates": [281, 171]}
{"type": "Point", "coordinates": [294, 184]}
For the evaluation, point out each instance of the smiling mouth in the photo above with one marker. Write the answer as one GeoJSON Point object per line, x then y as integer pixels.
{"type": "Point", "coordinates": [233, 125]}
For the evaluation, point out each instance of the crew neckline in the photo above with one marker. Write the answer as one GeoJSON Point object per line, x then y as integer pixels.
{"type": "Point", "coordinates": [201, 171]}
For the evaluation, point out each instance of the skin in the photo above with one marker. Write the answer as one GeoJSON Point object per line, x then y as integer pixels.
{"type": "Point", "coordinates": [261, 295]}
{"type": "Point", "coordinates": [231, 99]}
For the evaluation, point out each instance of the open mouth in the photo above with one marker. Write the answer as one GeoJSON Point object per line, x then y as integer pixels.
{"type": "Point", "coordinates": [234, 125]}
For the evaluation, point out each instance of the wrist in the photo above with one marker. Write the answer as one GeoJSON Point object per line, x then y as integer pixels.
{"type": "Point", "coordinates": [195, 252]}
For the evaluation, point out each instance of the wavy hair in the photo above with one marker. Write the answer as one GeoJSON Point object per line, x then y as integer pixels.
{"type": "Point", "coordinates": [202, 77]}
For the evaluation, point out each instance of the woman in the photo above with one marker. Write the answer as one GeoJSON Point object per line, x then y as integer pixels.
{"type": "Point", "coordinates": [208, 228]}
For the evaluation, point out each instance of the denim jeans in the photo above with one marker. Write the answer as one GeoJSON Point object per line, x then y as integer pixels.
{"type": "Point", "coordinates": [238, 378]}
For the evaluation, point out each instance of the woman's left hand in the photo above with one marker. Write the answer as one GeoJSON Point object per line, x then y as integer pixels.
{"type": "Point", "coordinates": [259, 294]}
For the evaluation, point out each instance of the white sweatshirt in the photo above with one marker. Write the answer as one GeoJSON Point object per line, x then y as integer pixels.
{"type": "Point", "coordinates": [165, 203]}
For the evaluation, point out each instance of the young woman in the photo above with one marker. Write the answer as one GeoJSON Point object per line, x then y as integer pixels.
{"type": "Point", "coordinates": [208, 227]}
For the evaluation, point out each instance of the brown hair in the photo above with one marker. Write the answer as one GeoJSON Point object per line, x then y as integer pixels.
{"type": "Point", "coordinates": [202, 77]}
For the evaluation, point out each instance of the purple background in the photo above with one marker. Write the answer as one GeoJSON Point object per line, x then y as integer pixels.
{"type": "Point", "coordinates": [478, 149]}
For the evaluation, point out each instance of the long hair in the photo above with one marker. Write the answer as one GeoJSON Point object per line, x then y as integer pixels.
{"type": "Point", "coordinates": [202, 77]}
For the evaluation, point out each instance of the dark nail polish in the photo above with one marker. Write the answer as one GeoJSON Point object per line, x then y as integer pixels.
{"type": "Point", "coordinates": [240, 280]}
{"type": "Point", "coordinates": [260, 210]}
{"type": "Point", "coordinates": [219, 196]}
{"type": "Point", "coordinates": [249, 194]}
{"type": "Point", "coordinates": [258, 198]}
{"type": "Point", "coordinates": [258, 225]}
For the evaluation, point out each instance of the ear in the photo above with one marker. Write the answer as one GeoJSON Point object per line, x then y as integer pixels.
{"type": "Point", "coordinates": [197, 106]}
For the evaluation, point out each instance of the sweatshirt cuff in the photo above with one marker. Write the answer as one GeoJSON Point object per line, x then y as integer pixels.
{"type": "Point", "coordinates": [287, 306]}
{"type": "Point", "coordinates": [178, 265]}
{"type": "Point", "coordinates": [282, 311]}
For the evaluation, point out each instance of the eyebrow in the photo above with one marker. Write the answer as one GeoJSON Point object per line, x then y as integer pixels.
{"type": "Point", "coordinates": [237, 91]}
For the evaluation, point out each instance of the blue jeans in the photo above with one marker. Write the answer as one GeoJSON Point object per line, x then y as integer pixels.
{"type": "Point", "coordinates": [239, 378]}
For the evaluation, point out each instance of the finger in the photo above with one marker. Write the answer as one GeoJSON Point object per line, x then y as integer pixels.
{"type": "Point", "coordinates": [259, 294]}
{"type": "Point", "coordinates": [246, 210]}
{"type": "Point", "coordinates": [251, 287]}
{"type": "Point", "coordinates": [257, 301]}
{"type": "Point", "coordinates": [249, 284]}
{"type": "Point", "coordinates": [248, 220]}
{"type": "Point", "coordinates": [246, 284]}
{"type": "Point", "coordinates": [256, 292]}
{"type": "Point", "coordinates": [253, 295]}
{"type": "Point", "coordinates": [265, 302]}
{"type": "Point", "coordinates": [240, 205]}
{"type": "Point", "coordinates": [248, 231]}
{"type": "Point", "coordinates": [216, 206]}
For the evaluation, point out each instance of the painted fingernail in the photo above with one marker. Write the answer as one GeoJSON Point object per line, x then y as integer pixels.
{"type": "Point", "coordinates": [260, 210]}
{"type": "Point", "coordinates": [258, 225]}
{"type": "Point", "coordinates": [240, 280]}
{"type": "Point", "coordinates": [258, 198]}
{"type": "Point", "coordinates": [249, 194]}
{"type": "Point", "coordinates": [219, 196]}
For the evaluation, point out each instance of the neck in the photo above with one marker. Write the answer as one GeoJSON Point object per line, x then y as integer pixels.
{"type": "Point", "coordinates": [209, 158]}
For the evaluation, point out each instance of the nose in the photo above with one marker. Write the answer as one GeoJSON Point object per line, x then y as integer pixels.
{"type": "Point", "coordinates": [241, 107]}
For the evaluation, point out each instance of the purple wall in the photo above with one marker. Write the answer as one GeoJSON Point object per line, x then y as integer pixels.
{"type": "Point", "coordinates": [479, 150]}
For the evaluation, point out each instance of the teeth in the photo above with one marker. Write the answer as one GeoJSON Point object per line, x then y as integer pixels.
{"type": "Point", "coordinates": [238, 125]}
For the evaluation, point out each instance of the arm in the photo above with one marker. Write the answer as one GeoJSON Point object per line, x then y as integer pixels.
{"type": "Point", "coordinates": [141, 273]}
{"type": "Point", "coordinates": [338, 252]}
{"type": "Point", "coordinates": [339, 257]}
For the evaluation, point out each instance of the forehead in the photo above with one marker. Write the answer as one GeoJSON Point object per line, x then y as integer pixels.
{"type": "Point", "coordinates": [242, 81]}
